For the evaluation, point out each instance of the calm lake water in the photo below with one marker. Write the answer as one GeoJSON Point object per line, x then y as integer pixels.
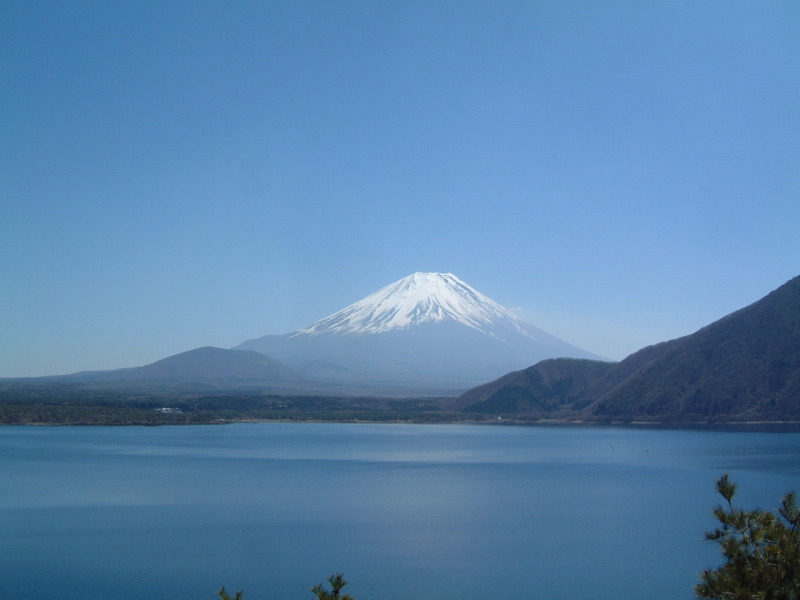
{"type": "Point", "coordinates": [417, 512]}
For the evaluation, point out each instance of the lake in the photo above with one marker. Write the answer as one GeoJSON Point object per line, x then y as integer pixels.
{"type": "Point", "coordinates": [422, 512]}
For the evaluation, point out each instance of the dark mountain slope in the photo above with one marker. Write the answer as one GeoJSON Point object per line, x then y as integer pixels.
{"type": "Point", "coordinates": [550, 389]}
{"type": "Point", "coordinates": [746, 366]}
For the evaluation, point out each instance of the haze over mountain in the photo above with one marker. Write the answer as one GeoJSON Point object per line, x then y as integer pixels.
{"type": "Point", "coordinates": [199, 369]}
{"type": "Point", "coordinates": [416, 336]}
{"type": "Point", "coordinates": [745, 366]}
{"type": "Point", "coordinates": [428, 329]}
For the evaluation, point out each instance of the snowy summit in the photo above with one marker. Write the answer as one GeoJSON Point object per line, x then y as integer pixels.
{"type": "Point", "coordinates": [416, 299]}
{"type": "Point", "coordinates": [428, 333]}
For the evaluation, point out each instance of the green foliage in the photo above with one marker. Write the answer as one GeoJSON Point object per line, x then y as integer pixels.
{"type": "Point", "coordinates": [337, 582]}
{"type": "Point", "coordinates": [761, 551]}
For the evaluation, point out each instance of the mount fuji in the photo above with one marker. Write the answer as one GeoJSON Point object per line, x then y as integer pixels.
{"type": "Point", "coordinates": [428, 332]}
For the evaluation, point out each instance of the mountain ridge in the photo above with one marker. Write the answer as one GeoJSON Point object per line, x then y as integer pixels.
{"type": "Point", "coordinates": [744, 366]}
{"type": "Point", "coordinates": [428, 334]}
{"type": "Point", "coordinates": [201, 368]}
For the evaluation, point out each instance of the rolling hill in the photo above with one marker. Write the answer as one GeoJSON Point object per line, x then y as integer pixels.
{"type": "Point", "coordinates": [199, 369]}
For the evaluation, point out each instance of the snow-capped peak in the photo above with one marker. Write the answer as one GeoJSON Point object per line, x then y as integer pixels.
{"type": "Point", "coordinates": [420, 298]}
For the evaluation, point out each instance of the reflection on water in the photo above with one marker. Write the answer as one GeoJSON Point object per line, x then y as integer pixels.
{"type": "Point", "coordinates": [415, 511]}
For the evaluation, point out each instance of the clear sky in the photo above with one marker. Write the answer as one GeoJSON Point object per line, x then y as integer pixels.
{"type": "Point", "coordinates": [182, 174]}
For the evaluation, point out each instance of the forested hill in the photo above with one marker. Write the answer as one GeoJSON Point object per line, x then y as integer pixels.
{"type": "Point", "coordinates": [746, 366]}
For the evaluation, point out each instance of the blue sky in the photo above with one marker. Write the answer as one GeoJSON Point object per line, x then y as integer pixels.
{"type": "Point", "coordinates": [181, 174]}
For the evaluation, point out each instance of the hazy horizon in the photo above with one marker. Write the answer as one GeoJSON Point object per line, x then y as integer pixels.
{"type": "Point", "coordinates": [186, 175]}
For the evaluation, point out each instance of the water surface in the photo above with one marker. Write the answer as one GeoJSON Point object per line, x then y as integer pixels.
{"type": "Point", "coordinates": [405, 511]}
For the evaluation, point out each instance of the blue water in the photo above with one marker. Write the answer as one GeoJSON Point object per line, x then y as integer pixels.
{"type": "Point", "coordinates": [423, 512]}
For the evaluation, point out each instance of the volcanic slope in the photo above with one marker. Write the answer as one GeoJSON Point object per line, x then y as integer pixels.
{"type": "Point", "coordinates": [428, 331]}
